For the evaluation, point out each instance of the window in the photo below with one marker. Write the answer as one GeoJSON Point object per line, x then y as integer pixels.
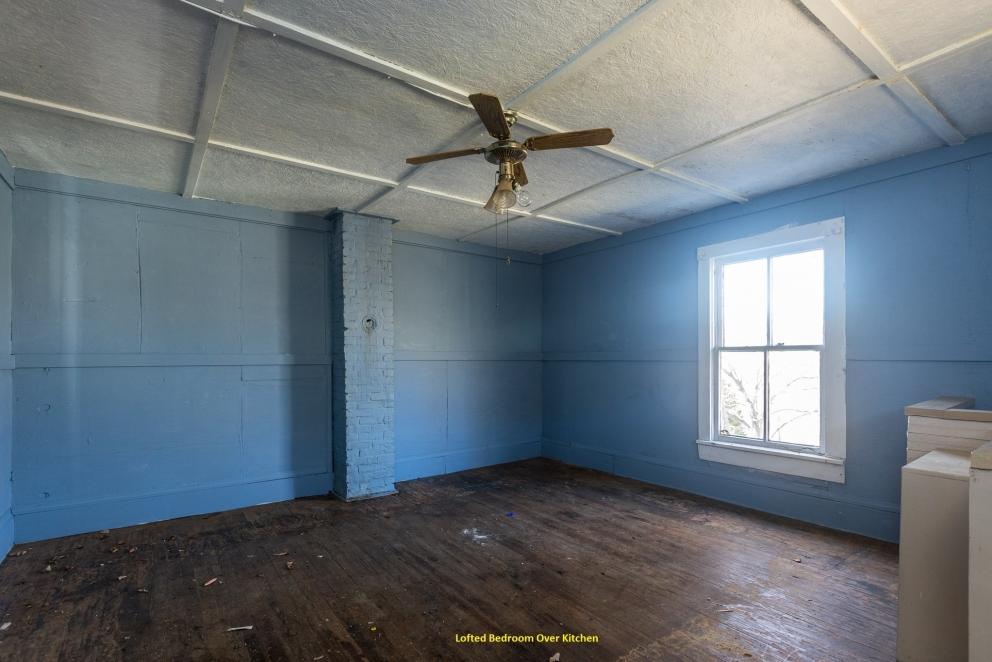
{"type": "Point", "coordinates": [771, 351]}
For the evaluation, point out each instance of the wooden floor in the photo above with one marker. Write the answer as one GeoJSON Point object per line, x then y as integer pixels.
{"type": "Point", "coordinates": [528, 548]}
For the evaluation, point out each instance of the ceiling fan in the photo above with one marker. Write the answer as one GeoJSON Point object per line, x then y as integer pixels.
{"type": "Point", "coordinates": [509, 154]}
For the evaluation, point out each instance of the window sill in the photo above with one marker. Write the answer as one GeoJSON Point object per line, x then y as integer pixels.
{"type": "Point", "coordinates": [773, 459]}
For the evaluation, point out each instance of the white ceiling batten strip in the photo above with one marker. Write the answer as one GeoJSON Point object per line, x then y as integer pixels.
{"type": "Point", "coordinates": [301, 163]}
{"type": "Point", "coordinates": [79, 113]}
{"type": "Point", "coordinates": [947, 51]}
{"type": "Point", "coordinates": [221, 53]}
{"type": "Point", "coordinates": [574, 224]}
{"type": "Point", "coordinates": [356, 56]}
{"type": "Point", "coordinates": [446, 196]}
{"type": "Point", "coordinates": [925, 110]}
{"type": "Point", "coordinates": [846, 29]}
{"type": "Point", "coordinates": [212, 6]}
{"type": "Point", "coordinates": [218, 10]}
{"type": "Point", "coordinates": [702, 185]}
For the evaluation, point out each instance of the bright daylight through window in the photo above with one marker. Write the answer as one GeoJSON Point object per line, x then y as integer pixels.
{"type": "Point", "coordinates": [771, 324]}
{"type": "Point", "coordinates": [771, 360]}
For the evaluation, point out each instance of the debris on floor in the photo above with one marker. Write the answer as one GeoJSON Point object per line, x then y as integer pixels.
{"type": "Point", "coordinates": [555, 658]}
{"type": "Point", "coordinates": [289, 565]}
{"type": "Point", "coordinates": [475, 535]}
{"type": "Point", "coordinates": [5, 626]}
{"type": "Point", "coordinates": [241, 627]}
{"type": "Point", "coordinates": [210, 581]}
{"type": "Point", "coordinates": [280, 554]}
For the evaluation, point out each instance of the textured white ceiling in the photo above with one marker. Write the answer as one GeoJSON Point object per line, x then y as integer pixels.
{"type": "Point", "coordinates": [908, 29]}
{"type": "Point", "coordinates": [52, 143]}
{"type": "Point", "coordinates": [822, 141]}
{"type": "Point", "coordinates": [286, 98]}
{"type": "Point", "coordinates": [499, 47]}
{"type": "Point", "coordinates": [140, 60]}
{"type": "Point", "coordinates": [748, 96]}
{"type": "Point", "coordinates": [962, 88]}
{"type": "Point", "coordinates": [698, 70]}
{"type": "Point", "coordinates": [635, 202]}
{"type": "Point", "coordinates": [234, 177]}
{"type": "Point", "coordinates": [418, 212]}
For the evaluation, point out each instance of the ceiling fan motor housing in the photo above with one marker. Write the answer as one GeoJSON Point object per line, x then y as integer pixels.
{"type": "Point", "coordinates": [505, 150]}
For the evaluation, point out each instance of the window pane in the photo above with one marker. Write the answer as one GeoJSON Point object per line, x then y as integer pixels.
{"type": "Point", "coordinates": [742, 394]}
{"type": "Point", "coordinates": [745, 303]}
{"type": "Point", "coordinates": [794, 397]}
{"type": "Point", "coordinates": [797, 299]}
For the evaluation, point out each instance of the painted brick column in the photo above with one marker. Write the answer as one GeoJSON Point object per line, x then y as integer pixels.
{"type": "Point", "coordinates": [361, 279]}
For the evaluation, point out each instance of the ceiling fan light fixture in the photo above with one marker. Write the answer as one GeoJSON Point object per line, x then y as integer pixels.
{"type": "Point", "coordinates": [509, 153]}
{"type": "Point", "coordinates": [503, 197]}
{"type": "Point", "coordinates": [523, 197]}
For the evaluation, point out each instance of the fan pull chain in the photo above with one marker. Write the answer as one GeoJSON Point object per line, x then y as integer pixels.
{"type": "Point", "coordinates": [497, 263]}
{"type": "Point", "coordinates": [507, 242]}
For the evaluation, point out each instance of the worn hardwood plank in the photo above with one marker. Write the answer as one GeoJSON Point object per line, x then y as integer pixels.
{"type": "Point", "coordinates": [524, 548]}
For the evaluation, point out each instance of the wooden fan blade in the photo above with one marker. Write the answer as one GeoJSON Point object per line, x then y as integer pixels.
{"type": "Point", "coordinates": [417, 160]}
{"type": "Point", "coordinates": [519, 174]}
{"type": "Point", "coordinates": [585, 138]}
{"type": "Point", "coordinates": [490, 111]}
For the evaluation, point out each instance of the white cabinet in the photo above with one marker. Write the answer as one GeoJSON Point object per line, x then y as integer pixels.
{"type": "Point", "coordinates": [933, 559]}
{"type": "Point", "coordinates": [980, 556]}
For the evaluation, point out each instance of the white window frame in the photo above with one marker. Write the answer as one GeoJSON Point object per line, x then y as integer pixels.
{"type": "Point", "coordinates": [827, 461]}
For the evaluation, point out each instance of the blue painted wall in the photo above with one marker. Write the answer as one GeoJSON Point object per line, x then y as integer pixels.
{"type": "Point", "coordinates": [171, 356]}
{"type": "Point", "coordinates": [468, 362]}
{"type": "Point", "coordinates": [620, 325]}
{"type": "Point", "coordinates": [6, 363]}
